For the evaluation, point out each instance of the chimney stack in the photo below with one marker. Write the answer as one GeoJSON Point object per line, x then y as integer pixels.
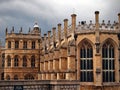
{"type": "Point", "coordinates": [59, 33]}
{"type": "Point", "coordinates": [73, 22]}
{"type": "Point", "coordinates": [97, 19]}
{"type": "Point", "coordinates": [54, 34]}
{"type": "Point", "coordinates": [45, 36]}
{"type": "Point", "coordinates": [65, 28]}
{"type": "Point", "coordinates": [49, 33]}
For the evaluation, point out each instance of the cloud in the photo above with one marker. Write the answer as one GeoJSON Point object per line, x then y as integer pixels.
{"type": "Point", "coordinates": [48, 13]}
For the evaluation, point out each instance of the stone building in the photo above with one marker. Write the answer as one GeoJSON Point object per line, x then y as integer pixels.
{"type": "Point", "coordinates": [22, 54]}
{"type": "Point", "coordinates": [85, 52]}
{"type": "Point", "coordinates": [88, 53]}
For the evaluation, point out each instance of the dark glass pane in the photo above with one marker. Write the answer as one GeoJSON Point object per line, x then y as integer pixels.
{"type": "Point", "coordinates": [88, 66]}
{"type": "Point", "coordinates": [81, 78]}
{"type": "Point", "coordinates": [113, 64]}
{"type": "Point", "coordinates": [88, 53]}
{"type": "Point", "coordinates": [84, 61]}
{"type": "Point", "coordinates": [84, 53]}
{"type": "Point", "coordinates": [112, 52]}
{"type": "Point", "coordinates": [113, 76]}
{"type": "Point", "coordinates": [91, 53]}
{"type": "Point", "coordinates": [107, 77]}
{"type": "Point", "coordinates": [106, 52]}
{"type": "Point", "coordinates": [85, 77]}
{"type": "Point", "coordinates": [103, 53]}
{"type": "Point", "coordinates": [103, 78]}
{"type": "Point", "coordinates": [106, 66]}
{"type": "Point", "coordinates": [81, 53]}
{"type": "Point", "coordinates": [81, 64]}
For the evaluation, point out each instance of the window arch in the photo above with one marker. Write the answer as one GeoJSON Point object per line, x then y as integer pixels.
{"type": "Point", "coordinates": [8, 77]}
{"type": "Point", "coordinates": [8, 61]}
{"type": "Point", "coordinates": [29, 77]}
{"type": "Point", "coordinates": [16, 77]}
{"type": "Point", "coordinates": [16, 61]}
{"type": "Point", "coordinates": [86, 62]}
{"type": "Point", "coordinates": [108, 62]}
{"type": "Point", "coordinates": [24, 61]}
{"type": "Point", "coordinates": [32, 61]}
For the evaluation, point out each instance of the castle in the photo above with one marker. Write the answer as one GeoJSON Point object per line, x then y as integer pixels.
{"type": "Point", "coordinates": [89, 53]}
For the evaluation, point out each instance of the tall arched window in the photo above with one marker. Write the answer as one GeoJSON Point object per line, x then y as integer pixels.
{"type": "Point", "coordinates": [8, 61]}
{"type": "Point", "coordinates": [16, 61]}
{"type": "Point", "coordinates": [108, 62]}
{"type": "Point", "coordinates": [33, 61]}
{"type": "Point", "coordinates": [24, 61]}
{"type": "Point", "coordinates": [86, 62]}
{"type": "Point", "coordinates": [15, 77]}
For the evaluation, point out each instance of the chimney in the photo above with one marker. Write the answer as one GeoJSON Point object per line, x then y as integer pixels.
{"type": "Point", "coordinates": [45, 41]}
{"type": "Point", "coordinates": [65, 28]}
{"type": "Point", "coordinates": [59, 33]}
{"type": "Point", "coordinates": [54, 36]}
{"type": "Point", "coordinates": [73, 22]}
{"type": "Point", "coordinates": [119, 18]}
{"type": "Point", "coordinates": [97, 19]}
{"type": "Point", "coordinates": [49, 33]}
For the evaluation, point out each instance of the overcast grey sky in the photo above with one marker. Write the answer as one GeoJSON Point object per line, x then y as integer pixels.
{"type": "Point", "coordinates": [48, 13]}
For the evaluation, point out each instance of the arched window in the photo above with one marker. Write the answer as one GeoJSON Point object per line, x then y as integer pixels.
{"type": "Point", "coordinates": [15, 77]}
{"type": "Point", "coordinates": [33, 61]}
{"type": "Point", "coordinates": [8, 61]}
{"type": "Point", "coordinates": [24, 61]}
{"type": "Point", "coordinates": [8, 77]}
{"type": "Point", "coordinates": [29, 77]}
{"type": "Point", "coordinates": [33, 45]}
{"type": "Point", "coordinates": [16, 44]}
{"type": "Point", "coordinates": [9, 44]}
{"type": "Point", "coordinates": [86, 62]}
{"type": "Point", "coordinates": [16, 61]}
{"type": "Point", "coordinates": [25, 45]}
{"type": "Point", "coordinates": [108, 66]}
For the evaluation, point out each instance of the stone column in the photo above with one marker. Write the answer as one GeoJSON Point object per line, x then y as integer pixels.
{"type": "Point", "coordinates": [97, 62]}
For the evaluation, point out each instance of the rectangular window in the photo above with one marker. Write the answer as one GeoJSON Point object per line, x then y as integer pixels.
{"type": "Point", "coordinates": [33, 44]}
{"type": "Point", "coordinates": [16, 44]}
{"type": "Point", "coordinates": [9, 44]}
{"type": "Point", "coordinates": [25, 45]}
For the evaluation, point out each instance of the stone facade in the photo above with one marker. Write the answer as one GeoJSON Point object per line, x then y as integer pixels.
{"type": "Point", "coordinates": [88, 53]}
{"type": "Point", "coordinates": [22, 54]}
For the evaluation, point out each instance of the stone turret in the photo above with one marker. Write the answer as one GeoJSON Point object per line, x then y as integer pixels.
{"type": "Point", "coordinates": [36, 29]}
